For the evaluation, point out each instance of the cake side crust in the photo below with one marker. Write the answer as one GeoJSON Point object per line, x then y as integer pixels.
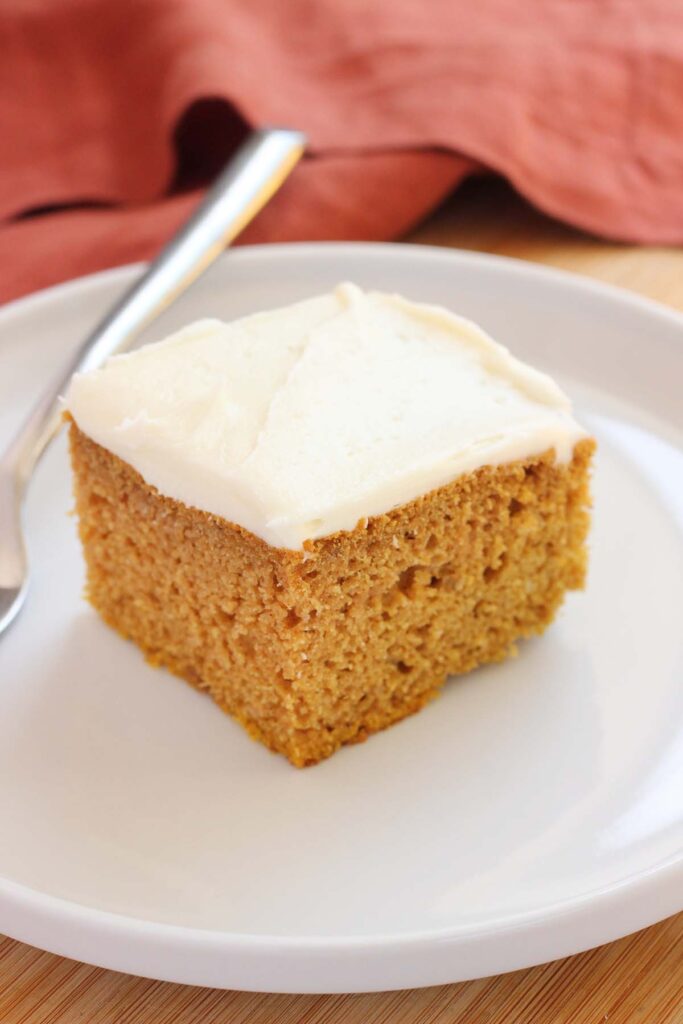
{"type": "Point", "coordinates": [313, 650]}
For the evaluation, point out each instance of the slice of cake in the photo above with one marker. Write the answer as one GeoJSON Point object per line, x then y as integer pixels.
{"type": "Point", "coordinates": [317, 514]}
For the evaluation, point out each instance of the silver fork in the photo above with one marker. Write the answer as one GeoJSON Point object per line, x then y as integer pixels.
{"type": "Point", "coordinates": [250, 179]}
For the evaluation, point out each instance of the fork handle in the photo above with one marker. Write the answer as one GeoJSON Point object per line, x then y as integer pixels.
{"type": "Point", "coordinates": [255, 173]}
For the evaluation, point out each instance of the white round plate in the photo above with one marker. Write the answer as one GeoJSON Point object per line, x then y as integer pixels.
{"type": "Point", "coordinates": [533, 811]}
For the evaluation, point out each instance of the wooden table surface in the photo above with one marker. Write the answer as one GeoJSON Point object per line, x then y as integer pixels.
{"type": "Point", "coordinates": [638, 979]}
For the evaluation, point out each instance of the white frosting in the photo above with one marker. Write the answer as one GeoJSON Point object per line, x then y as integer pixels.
{"type": "Point", "coordinates": [298, 422]}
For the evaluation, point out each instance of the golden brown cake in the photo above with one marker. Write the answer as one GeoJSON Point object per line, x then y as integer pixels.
{"type": "Point", "coordinates": [314, 641]}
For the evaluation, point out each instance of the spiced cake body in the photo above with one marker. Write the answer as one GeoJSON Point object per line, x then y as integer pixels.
{"type": "Point", "coordinates": [317, 514]}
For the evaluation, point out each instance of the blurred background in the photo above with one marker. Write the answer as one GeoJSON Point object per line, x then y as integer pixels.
{"type": "Point", "coordinates": [115, 116]}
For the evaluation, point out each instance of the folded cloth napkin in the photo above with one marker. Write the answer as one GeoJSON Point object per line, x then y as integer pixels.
{"type": "Point", "coordinates": [114, 115]}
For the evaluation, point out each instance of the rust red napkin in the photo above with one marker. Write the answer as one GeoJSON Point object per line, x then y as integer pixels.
{"type": "Point", "coordinates": [113, 115]}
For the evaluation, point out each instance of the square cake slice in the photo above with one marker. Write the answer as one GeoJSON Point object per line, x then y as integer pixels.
{"type": "Point", "coordinates": [318, 513]}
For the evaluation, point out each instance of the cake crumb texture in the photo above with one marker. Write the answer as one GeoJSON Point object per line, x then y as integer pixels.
{"type": "Point", "coordinates": [316, 650]}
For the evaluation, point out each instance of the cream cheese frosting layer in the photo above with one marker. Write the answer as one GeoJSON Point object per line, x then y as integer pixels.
{"type": "Point", "coordinates": [299, 422]}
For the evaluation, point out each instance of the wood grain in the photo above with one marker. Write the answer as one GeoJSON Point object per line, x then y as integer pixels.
{"type": "Point", "coordinates": [638, 980]}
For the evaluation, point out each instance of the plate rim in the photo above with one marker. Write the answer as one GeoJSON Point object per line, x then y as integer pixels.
{"type": "Point", "coordinates": [635, 894]}
{"type": "Point", "coordinates": [670, 867]}
{"type": "Point", "coordinates": [387, 249]}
